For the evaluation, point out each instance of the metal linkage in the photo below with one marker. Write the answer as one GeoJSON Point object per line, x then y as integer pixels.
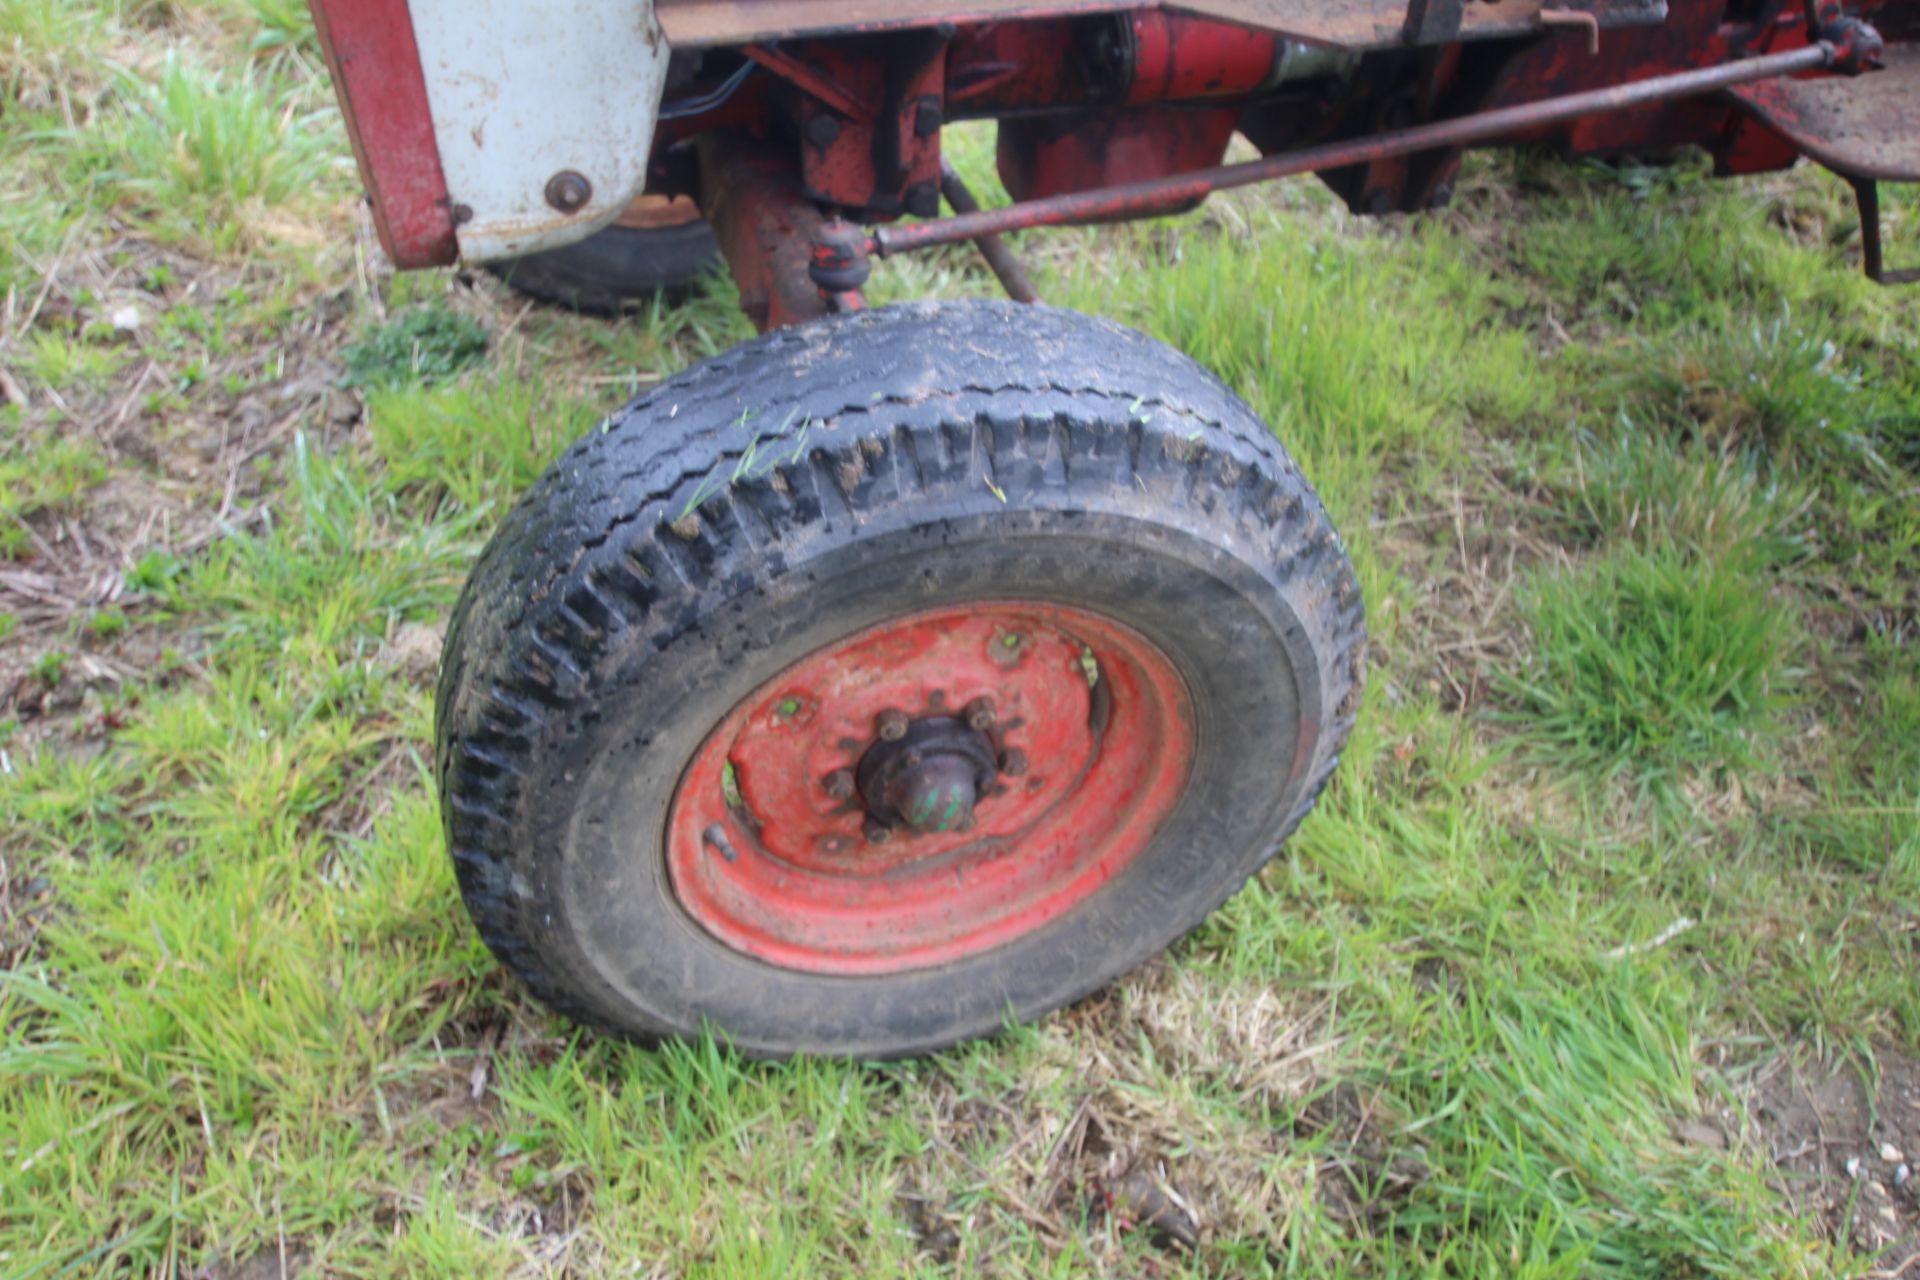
{"type": "Point", "coordinates": [1005, 264]}
{"type": "Point", "coordinates": [1160, 195]}
{"type": "Point", "coordinates": [1866, 191]}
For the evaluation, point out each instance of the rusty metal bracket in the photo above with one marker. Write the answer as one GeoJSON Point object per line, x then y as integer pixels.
{"type": "Point", "coordinates": [1575, 18]}
{"type": "Point", "coordinates": [1866, 192]}
{"type": "Point", "coordinates": [765, 225]}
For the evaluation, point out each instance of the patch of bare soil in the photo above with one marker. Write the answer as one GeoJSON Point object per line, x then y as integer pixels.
{"type": "Point", "coordinates": [1459, 552]}
{"type": "Point", "coordinates": [180, 433]}
{"type": "Point", "coordinates": [1847, 1147]}
{"type": "Point", "coordinates": [26, 899]}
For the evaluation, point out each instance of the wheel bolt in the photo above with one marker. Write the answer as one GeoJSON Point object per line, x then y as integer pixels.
{"type": "Point", "coordinates": [979, 714]}
{"type": "Point", "coordinates": [1013, 762]}
{"type": "Point", "coordinates": [839, 784]}
{"type": "Point", "coordinates": [878, 832]}
{"type": "Point", "coordinates": [891, 724]}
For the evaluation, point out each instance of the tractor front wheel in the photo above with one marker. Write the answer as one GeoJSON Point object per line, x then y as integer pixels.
{"type": "Point", "coordinates": [887, 676]}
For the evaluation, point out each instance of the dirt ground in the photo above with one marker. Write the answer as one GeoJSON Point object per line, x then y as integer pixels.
{"type": "Point", "coordinates": [1846, 1146]}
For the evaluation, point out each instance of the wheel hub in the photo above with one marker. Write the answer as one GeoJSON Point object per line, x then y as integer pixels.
{"type": "Point", "coordinates": [930, 777]}
{"type": "Point", "coordinates": [930, 788]}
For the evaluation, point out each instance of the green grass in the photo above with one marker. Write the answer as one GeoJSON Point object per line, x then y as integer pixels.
{"type": "Point", "coordinates": [422, 344]}
{"type": "Point", "coordinates": [47, 475]}
{"type": "Point", "coordinates": [202, 157]}
{"type": "Point", "coordinates": [1627, 460]}
{"type": "Point", "coordinates": [1720, 505]}
{"type": "Point", "coordinates": [479, 441]}
{"type": "Point", "coordinates": [1655, 662]}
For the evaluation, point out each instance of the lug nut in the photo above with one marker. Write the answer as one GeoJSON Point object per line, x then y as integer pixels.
{"type": "Point", "coordinates": [891, 724]}
{"type": "Point", "coordinates": [839, 784]}
{"type": "Point", "coordinates": [1013, 762]}
{"type": "Point", "coordinates": [979, 714]}
{"type": "Point", "coordinates": [878, 832]}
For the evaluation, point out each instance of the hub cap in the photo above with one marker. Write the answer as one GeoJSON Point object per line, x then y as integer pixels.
{"type": "Point", "coordinates": [930, 788]}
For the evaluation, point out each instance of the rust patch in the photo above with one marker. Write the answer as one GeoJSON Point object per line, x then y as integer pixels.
{"type": "Point", "coordinates": [1865, 126]}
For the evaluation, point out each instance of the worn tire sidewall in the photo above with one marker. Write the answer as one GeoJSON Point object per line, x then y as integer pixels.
{"type": "Point", "coordinates": [1249, 669]}
{"type": "Point", "coordinates": [1130, 482]}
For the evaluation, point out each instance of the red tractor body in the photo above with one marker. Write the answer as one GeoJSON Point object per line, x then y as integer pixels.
{"type": "Point", "coordinates": [840, 106]}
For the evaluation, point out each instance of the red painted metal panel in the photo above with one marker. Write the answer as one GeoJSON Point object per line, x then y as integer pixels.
{"type": "Point", "coordinates": [370, 49]}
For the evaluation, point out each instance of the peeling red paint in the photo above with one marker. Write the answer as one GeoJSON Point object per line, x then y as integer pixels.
{"type": "Point", "coordinates": [370, 50]}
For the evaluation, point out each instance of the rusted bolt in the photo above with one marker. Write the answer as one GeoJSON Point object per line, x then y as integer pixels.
{"type": "Point", "coordinates": [1013, 762]}
{"type": "Point", "coordinates": [921, 199]}
{"type": "Point", "coordinates": [891, 724]}
{"type": "Point", "coordinates": [1007, 649]}
{"type": "Point", "coordinates": [823, 130]}
{"type": "Point", "coordinates": [979, 714]}
{"type": "Point", "coordinates": [839, 784]}
{"type": "Point", "coordinates": [568, 192]}
{"type": "Point", "coordinates": [878, 832]}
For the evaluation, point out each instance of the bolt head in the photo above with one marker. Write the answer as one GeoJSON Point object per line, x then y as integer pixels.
{"type": "Point", "coordinates": [1013, 762]}
{"type": "Point", "coordinates": [839, 784]}
{"type": "Point", "coordinates": [922, 199]}
{"type": "Point", "coordinates": [891, 724]}
{"type": "Point", "coordinates": [823, 130]}
{"type": "Point", "coordinates": [979, 714]}
{"type": "Point", "coordinates": [878, 832]}
{"type": "Point", "coordinates": [569, 192]}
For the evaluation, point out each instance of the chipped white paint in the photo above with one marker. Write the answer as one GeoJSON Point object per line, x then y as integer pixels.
{"type": "Point", "coordinates": [522, 91]}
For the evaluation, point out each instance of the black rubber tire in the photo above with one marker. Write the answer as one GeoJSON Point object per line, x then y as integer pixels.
{"type": "Point", "coordinates": [924, 454]}
{"type": "Point", "coordinates": [614, 269]}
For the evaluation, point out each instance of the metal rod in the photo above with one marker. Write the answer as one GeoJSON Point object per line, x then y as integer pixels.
{"type": "Point", "coordinates": [1872, 255]}
{"type": "Point", "coordinates": [1158, 195]}
{"type": "Point", "coordinates": [1866, 192]}
{"type": "Point", "coordinates": [1006, 265]}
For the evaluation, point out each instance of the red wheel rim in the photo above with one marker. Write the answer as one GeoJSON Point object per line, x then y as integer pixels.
{"type": "Point", "coordinates": [1092, 735]}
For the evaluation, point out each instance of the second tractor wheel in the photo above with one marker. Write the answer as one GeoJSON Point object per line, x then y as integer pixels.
{"type": "Point", "coordinates": [889, 676]}
{"type": "Point", "coordinates": [659, 247]}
